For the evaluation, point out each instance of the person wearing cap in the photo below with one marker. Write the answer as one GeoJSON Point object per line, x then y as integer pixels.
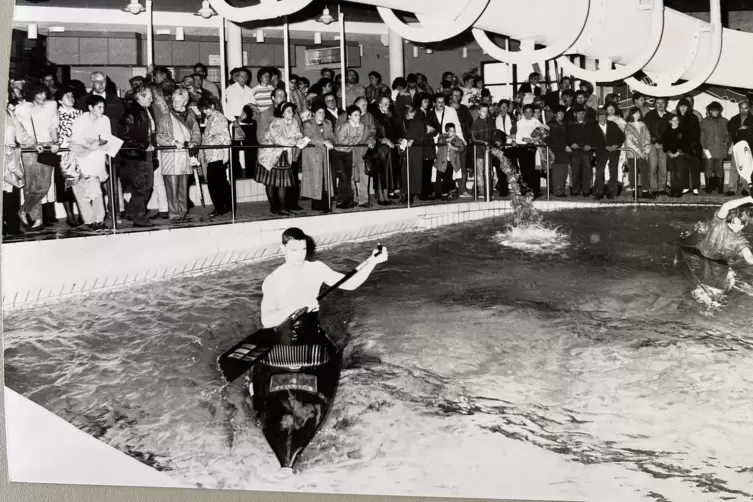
{"type": "Point", "coordinates": [606, 139]}
{"type": "Point", "coordinates": [579, 138]}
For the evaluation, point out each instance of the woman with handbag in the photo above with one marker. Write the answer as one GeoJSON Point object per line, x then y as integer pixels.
{"type": "Point", "coordinates": [273, 169]}
{"type": "Point", "coordinates": [67, 115]}
{"type": "Point", "coordinates": [38, 116]}
{"type": "Point", "coordinates": [89, 171]}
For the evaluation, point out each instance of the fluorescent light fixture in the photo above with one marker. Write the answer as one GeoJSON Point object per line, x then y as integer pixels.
{"type": "Point", "coordinates": [180, 34]}
{"type": "Point", "coordinates": [465, 52]}
{"type": "Point", "coordinates": [163, 31]}
{"type": "Point", "coordinates": [415, 51]}
{"type": "Point", "coordinates": [429, 51]}
{"type": "Point", "coordinates": [32, 34]}
{"type": "Point", "coordinates": [259, 37]}
{"type": "Point", "coordinates": [317, 38]}
{"type": "Point", "coordinates": [206, 11]}
{"type": "Point", "coordinates": [134, 7]}
{"type": "Point", "coordinates": [57, 29]}
{"type": "Point", "coordinates": [360, 48]}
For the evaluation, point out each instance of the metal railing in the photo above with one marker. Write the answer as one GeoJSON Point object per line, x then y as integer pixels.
{"type": "Point", "coordinates": [328, 174]}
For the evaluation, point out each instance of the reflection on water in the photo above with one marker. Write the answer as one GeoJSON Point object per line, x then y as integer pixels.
{"type": "Point", "coordinates": [580, 368]}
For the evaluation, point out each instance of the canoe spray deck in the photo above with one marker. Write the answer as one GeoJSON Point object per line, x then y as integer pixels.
{"type": "Point", "coordinates": [294, 387]}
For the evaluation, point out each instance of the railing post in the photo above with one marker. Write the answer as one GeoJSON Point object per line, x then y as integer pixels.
{"type": "Point", "coordinates": [487, 174]}
{"type": "Point", "coordinates": [232, 185]}
{"type": "Point", "coordinates": [328, 178]}
{"type": "Point", "coordinates": [113, 195]}
{"type": "Point", "coordinates": [635, 171]}
{"type": "Point", "coordinates": [548, 167]}
{"type": "Point", "coordinates": [475, 175]}
{"type": "Point", "coordinates": [407, 173]}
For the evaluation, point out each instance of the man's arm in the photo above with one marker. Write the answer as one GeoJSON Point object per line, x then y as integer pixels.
{"type": "Point", "coordinates": [733, 204]}
{"type": "Point", "coordinates": [748, 255]}
{"type": "Point", "coordinates": [330, 277]}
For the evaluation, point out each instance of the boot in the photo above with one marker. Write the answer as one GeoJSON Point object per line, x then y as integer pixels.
{"type": "Point", "coordinates": [710, 184]}
{"type": "Point", "coordinates": [720, 186]}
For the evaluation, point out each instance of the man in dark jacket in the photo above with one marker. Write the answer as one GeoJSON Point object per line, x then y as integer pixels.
{"type": "Point", "coordinates": [657, 121]}
{"type": "Point", "coordinates": [138, 129]}
{"type": "Point", "coordinates": [740, 128]}
{"type": "Point", "coordinates": [606, 140]}
{"type": "Point", "coordinates": [580, 134]}
{"type": "Point", "coordinates": [555, 98]}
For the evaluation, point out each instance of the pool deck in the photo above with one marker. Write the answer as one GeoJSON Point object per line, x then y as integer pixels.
{"type": "Point", "coordinates": [44, 448]}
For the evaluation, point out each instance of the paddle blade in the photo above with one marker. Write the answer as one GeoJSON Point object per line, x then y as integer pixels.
{"type": "Point", "coordinates": [743, 160]}
{"type": "Point", "coordinates": [239, 359]}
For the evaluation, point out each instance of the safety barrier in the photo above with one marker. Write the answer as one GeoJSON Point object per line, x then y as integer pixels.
{"type": "Point", "coordinates": [406, 192]}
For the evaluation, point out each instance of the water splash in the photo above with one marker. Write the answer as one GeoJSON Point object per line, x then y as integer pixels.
{"type": "Point", "coordinates": [534, 238]}
{"type": "Point", "coordinates": [522, 205]}
{"type": "Point", "coordinates": [527, 232]}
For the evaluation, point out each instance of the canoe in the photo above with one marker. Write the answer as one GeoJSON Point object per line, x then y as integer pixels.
{"type": "Point", "coordinates": [717, 274]}
{"type": "Point", "coordinates": [293, 388]}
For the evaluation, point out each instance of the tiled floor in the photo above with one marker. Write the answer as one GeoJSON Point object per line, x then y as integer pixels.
{"type": "Point", "coordinates": [258, 211]}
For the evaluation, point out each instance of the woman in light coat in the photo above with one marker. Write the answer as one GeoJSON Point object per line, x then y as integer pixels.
{"type": "Point", "coordinates": [176, 165]}
{"type": "Point", "coordinates": [316, 182]}
{"type": "Point", "coordinates": [638, 138]}
{"type": "Point", "coordinates": [88, 149]}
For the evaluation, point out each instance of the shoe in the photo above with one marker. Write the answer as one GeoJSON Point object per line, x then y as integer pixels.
{"type": "Point", "coordinates": [295, 208]}
{"type": "Point", "coordinates": [561, 196]}
{"type": "Point", "coordinates": [685, 190]}
{"type": "Point", "coordinates": [610, 197]}
{"type": "Point", "coordinates": [213, 214]}
{"type": "Point", "coordinates": [365, 205]}
{"type": "Point", "coordinates": [345, 205]}
{"type": "Point", "coordinates": [744, 193]}
{"type": "Point", "coordinates": [729, 193]}
{"type": "Point", "coordinates": [72, 223]}
{"type": "Point", "coordinates": [598, 196]}
{"type": "Point", "coordinates": [384, 203]}
{"type": "Point", "coordinates": [695, 191]}
{"type": "Point", "coordinates": [38, 226]}
{"type": "Point", "coordinates": [647, 195]}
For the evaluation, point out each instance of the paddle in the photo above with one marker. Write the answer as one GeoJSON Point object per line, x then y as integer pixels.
{"type": "Point", "coordinates": [239, 359]}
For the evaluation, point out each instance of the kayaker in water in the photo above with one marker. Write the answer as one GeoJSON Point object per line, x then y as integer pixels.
{"type": "Point", "coordinates": [296, 283]}
{"type": "Point", "coordinates": [723, 240]}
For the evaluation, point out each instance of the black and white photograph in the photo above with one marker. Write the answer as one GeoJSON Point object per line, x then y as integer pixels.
{"type": "Point", "coordinates": [493, 249]}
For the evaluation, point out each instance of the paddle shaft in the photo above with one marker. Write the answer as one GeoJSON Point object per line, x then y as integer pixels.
{"type": "Point", "coordinates": [350, 274]}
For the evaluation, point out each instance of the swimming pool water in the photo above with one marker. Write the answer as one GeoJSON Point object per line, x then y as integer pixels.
{"type": "Point", "coordinates": [479, 363]}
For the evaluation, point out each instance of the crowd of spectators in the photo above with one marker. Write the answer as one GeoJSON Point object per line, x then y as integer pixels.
{"type": "Point", "coordinates": [389, 144]}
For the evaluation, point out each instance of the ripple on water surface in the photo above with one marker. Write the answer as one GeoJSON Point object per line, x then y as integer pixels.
{"type": "Point", "coordinates": [564, 361]}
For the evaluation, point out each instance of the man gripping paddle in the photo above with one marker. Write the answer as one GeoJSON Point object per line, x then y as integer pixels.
{"type": "Point", "coordinates": [289, 294]}
{"type": "Point", "coordinates": [295, 284]}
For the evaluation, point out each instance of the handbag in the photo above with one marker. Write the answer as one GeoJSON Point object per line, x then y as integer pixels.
{"type": "Point", "coordinates": [372, 162]}
{"type": "Point", "coordinates": [46, 157]}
